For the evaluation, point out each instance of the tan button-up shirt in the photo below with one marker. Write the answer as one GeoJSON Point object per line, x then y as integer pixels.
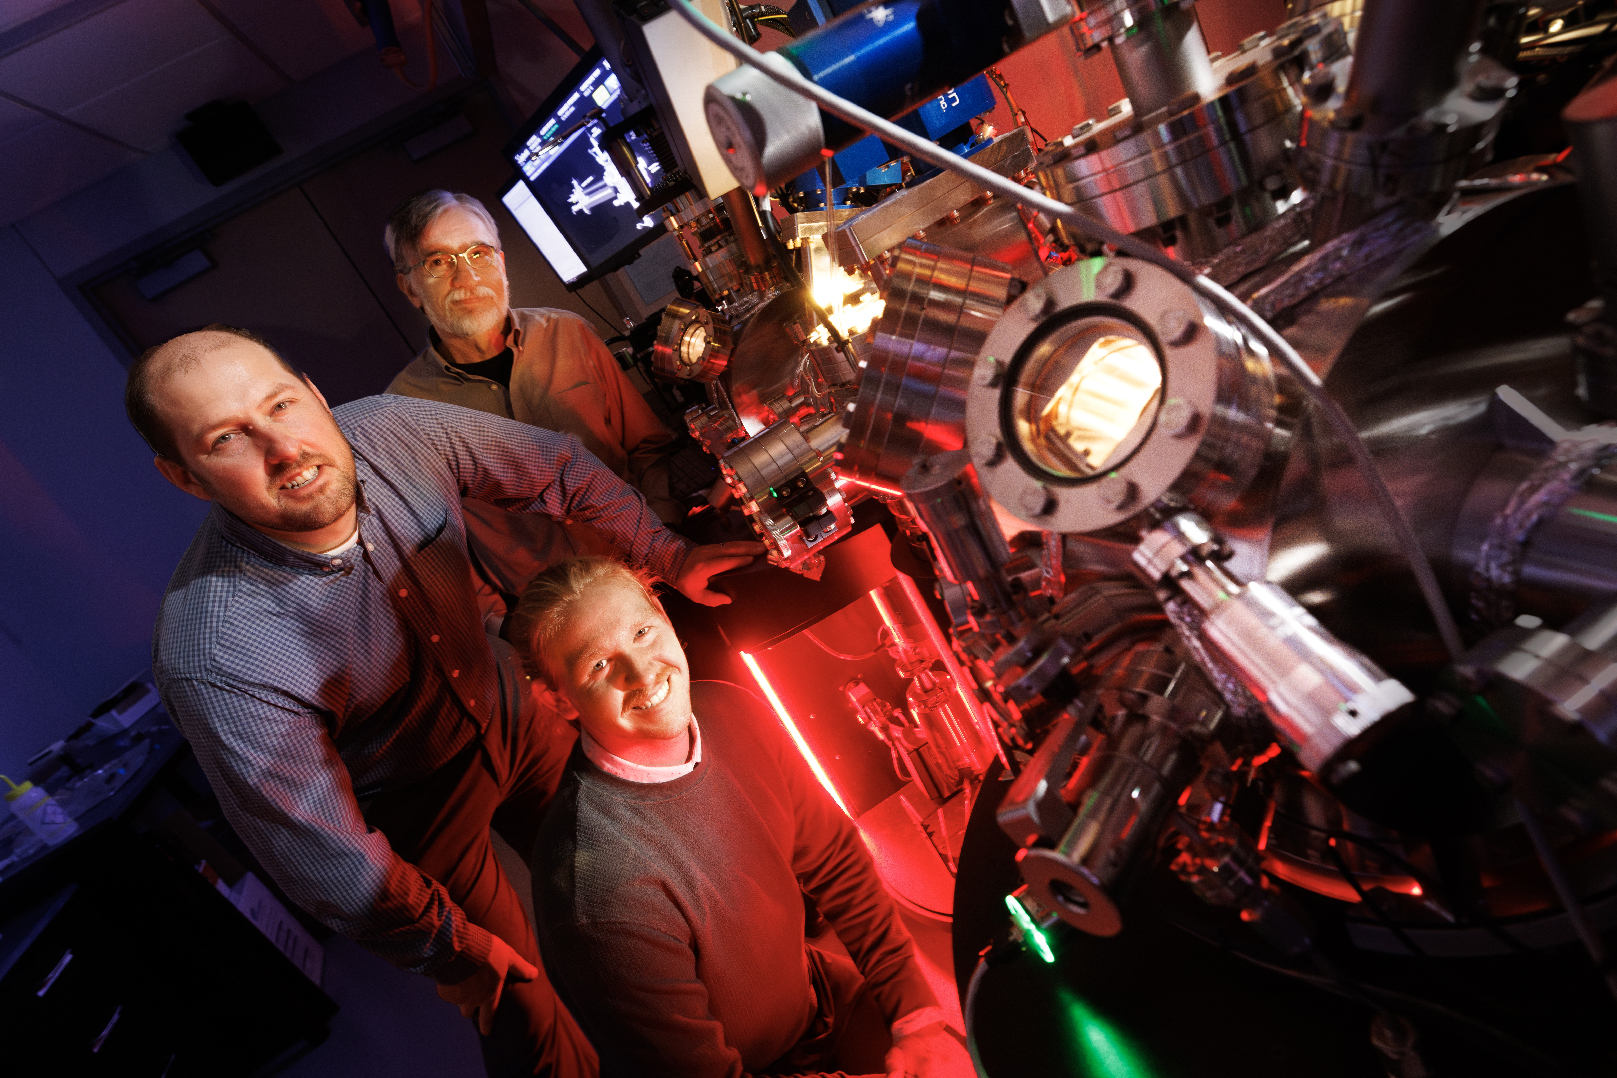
{"type": "Point", "coordinates": [563, 379]}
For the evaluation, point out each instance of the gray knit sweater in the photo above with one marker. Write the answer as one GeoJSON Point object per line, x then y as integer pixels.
{"type": "Point", "coordinates": [670, 918]}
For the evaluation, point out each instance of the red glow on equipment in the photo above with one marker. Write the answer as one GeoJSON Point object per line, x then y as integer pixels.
{"type": "Point", "coordinates": [791, 728]}
{"type": "Point", "coordinates": [1266, 755]}
{"type": "Point", "coordinates": [870, 484]}
{"type": "Point", "coordinates": [1268, 822]}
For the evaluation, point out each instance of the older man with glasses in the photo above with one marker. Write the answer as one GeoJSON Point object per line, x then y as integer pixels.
{"type": "Point", "coordinates": [539, 366]}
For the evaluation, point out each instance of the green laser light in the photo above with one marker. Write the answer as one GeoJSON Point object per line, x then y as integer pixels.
{"type": "Point", "coordinates": [1032, 935]}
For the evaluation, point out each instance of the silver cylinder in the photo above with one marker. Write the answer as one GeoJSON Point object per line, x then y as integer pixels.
{"type": "Point", "coordinates": [1163, 709]}
{"type": "Point", "coordinates": [767, 133]}
{"type": "Point", "coordinates": [1406, 57]}
{"type": "Point", "coordinates": [1591, 121]}
{"type": "Point", "coordinates": [1566, 563]}
{"type": "Point", "coordinates": [941, 305]}
{"type": "Point", "coordinates": [1322, 696]}
{"type": "Point", "coordinates": [951, 506]}
{"type": "Point", "coordinates": [773, 457]}
{"type": "Point", "coordinates": [1163, 60]}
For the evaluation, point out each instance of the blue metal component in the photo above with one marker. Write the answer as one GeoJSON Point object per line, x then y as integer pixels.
{"type": "Point", "coordinates": [868, 153]}
{"type": "Point", "coordinates": [948, 111]}
{"type": "Point", "coordinates": [870, 162]}
{"type": "Point", "coordinates": [888, 174]}
{"type": "Point", "coordinates": [894, 55]}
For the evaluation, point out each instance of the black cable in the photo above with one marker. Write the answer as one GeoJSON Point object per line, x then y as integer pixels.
{"type": "Point", "coordinates": [555, 28]}
{"type": "Point", "coordinates": [835, 654]}
{"type": "Point", "coordinates": [591, 306]}
{"type": "Point", "coordinates": [1487, 924]}
{"type": "Point", "coordinates": [1403, 938]}
{"type": "Point", "coordinates": [1568, 896]}
{"type": "Point", "coordinates": [1375, 911]}
{"type": "Point", "coordinates": [1402, 999]}
{"type": "Point", "coordinates": [992, 955]}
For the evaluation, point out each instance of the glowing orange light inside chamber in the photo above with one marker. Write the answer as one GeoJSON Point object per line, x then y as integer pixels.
{"type": "Point", "coordinates": [791, 728]}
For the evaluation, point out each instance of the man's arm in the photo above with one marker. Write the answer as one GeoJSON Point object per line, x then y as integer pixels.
{"type": "Point", "coordinates": [286, 792]}
{"type": "Point", "coordinates": [529, 469]}
{"type": "Point", "coordinates": [635, 993]}
{"type": "Point", "coordinates": [834, 866]}
{"type": "Point", "coordinates": [645, 440]}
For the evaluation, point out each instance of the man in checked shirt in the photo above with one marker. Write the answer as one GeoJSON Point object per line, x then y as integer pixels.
{"type": "Point", "coordinates": [320, 647]}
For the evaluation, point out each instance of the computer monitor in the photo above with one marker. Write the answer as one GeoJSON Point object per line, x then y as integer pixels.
{"type": "Point", "coordinates": [569, 196]}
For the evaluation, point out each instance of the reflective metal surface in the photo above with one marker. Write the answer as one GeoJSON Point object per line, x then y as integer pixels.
{"type": "Point", "coordinates": [1261, 721]}
{"type": "Point", "coordinates": [1193, 419]}
{"type": "Point", "coordinates": [911, 401]}
{"type": "Point", "coordinates": [691, 343]}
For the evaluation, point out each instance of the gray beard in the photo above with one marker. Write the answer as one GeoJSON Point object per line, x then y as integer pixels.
{"type": "Point", "coordinates": [450, 324]}
{"type": "Point", "coordinates": [469, 325]}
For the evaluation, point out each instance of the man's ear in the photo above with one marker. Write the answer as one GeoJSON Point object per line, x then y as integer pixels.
{"type": "Point", "coordinates": [319, 396]}
{"type": "Point", "coordinates": [407, 286]}
{"type": "Point", "coordinates": [181, 477]}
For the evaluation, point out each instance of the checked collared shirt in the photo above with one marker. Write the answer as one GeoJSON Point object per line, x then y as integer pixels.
{"type": "Point", "coordinates": [306, 682]}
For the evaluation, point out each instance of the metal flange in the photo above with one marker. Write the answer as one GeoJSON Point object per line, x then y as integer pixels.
{"type": "Point", "coordinates": [1200, 438]}
{"type": "Point", "coordinates": [692, 343]}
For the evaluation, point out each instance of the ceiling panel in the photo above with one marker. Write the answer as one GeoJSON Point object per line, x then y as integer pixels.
{"type": "Point", "coordinates": [301, 36]}
{"type": "Point", "coordinates": [147, 111]}
{"type": "Point", "coordinates": [106, 51]}
{"type": "Point", "coordinates": [51, 161]}
{"type": "Point", "coordinates": [16, 120]}
{"type": "Point", "coordinates": [17, 12]}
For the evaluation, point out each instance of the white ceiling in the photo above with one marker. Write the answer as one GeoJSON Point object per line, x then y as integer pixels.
{"type": "Point", "coordinates": [89, 86]}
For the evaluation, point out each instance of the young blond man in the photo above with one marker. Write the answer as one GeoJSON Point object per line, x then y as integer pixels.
{"type": "Point", "coordinates": [669, 871]}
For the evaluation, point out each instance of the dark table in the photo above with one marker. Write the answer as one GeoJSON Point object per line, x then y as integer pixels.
{"type": "Point", "coordinates": [119, 953]}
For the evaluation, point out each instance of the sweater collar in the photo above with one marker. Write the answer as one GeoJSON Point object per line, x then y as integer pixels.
{"type": "Point", "coordinates": [618, 767]}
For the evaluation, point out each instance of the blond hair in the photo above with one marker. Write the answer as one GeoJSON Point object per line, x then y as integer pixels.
{"type": "Point", "coordinates": [549, 597]}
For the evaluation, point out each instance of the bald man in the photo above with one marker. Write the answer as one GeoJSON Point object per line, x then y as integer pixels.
{"type": "Point", "coordinates": [321, 648]}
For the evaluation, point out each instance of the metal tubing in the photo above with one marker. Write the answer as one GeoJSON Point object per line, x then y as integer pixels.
{"type": "Point", "coordinates": [950, 504]}
{"type": "Point", "coordinates": [749, 232]}
{"type": "Point", "coordinates": [1144, 765]}
{"type": "Point", "coordinates": [1591, 121]}
{"type": "Point", "coordinates": [1308, 381]}
{"type": "Point", "coordinates": [1406, 58]}
{"type": "Point", "coordinates": [1164, 60]}
{"type": "Point", "coordinates": [965, 730]}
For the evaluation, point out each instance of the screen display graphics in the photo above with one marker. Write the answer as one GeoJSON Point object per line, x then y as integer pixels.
{"type": "Point", "coordinates": [570, 197]}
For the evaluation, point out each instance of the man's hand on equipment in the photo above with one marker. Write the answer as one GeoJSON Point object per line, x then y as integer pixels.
{"type": "Point", "coordinates": [706, 562]}
{"type": "Point", "coordinates": [929, 1053]}
{"type": "Point", "coordinates": [479, 994]}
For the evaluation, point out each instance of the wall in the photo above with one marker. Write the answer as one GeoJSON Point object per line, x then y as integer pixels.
{"type": "Point", "coordinates": [89, 529]}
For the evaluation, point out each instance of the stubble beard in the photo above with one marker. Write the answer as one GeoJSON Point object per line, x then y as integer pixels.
{"type": "Point", "coordinates": [342, 490]}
